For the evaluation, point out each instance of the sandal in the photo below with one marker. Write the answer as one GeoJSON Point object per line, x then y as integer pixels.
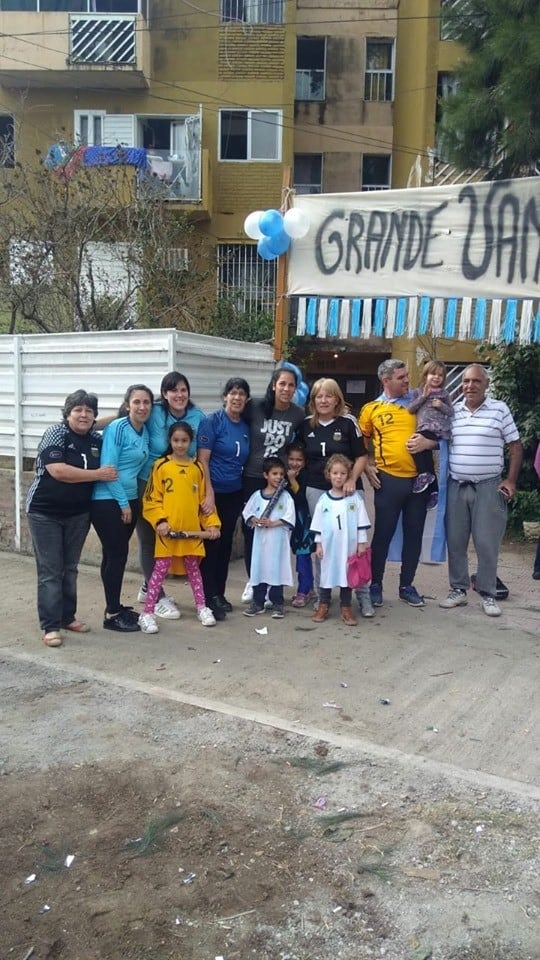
{"type": "Point", "coordinates": [52, 639]}
{"type": "Point", "coordinates": [77, 627]}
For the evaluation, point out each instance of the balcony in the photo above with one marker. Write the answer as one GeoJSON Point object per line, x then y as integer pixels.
{"type": "Point", "coordinates": [78, 51]}
{"type": "Point", "coordinates": [179, 179]}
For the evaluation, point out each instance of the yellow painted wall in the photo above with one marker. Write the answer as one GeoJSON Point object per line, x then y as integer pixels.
{"type": "Point", "coordinates": [420, 56]}
{"type": "Point", "coordinates": [194, 60]}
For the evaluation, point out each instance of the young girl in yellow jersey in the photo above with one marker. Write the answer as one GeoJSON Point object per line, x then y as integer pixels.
{"type": "Point", "coordinates": [172, 503]}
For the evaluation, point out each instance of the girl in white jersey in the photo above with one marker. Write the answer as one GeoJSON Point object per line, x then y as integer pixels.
{"type": "Point", "coordinates": [340, 524]}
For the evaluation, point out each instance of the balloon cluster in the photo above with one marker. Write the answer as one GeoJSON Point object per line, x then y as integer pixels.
{"type": "Point", "coordinates": [274, 231]}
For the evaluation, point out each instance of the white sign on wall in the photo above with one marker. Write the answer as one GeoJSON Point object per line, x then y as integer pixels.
{"type": "Point", "coordinates": [472, 240]}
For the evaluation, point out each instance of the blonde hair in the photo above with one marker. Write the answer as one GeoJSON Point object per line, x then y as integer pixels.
{"type": "Point", "coordinates": [432, 366]}
{"type": "Point", "coordinates": [335, 459]}
{"type": "Point", "coordinates": [327, 386]}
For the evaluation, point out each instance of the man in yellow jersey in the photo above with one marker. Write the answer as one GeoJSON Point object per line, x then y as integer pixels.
{"type": "Point", "coordinates": [391, 432]}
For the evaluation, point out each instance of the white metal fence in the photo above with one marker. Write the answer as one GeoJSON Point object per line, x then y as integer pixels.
{"type": "Point", "coordinates": [38, 371]}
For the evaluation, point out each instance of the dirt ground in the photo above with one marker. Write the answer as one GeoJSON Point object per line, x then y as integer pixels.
{"type": "Point", "coordinates": [196, 836]}
{"type": "Point", "coordinates": [227, 794]}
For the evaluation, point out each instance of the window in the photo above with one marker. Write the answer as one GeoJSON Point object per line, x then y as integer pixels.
{"type": "Point", "coordinates": [250, 135]}
{"type": "Point", "coordinates": [376, 171]}
{"type": "Point", "coordinates": [7, 141]}
{"type": "Point", "coordinates": [252, 11]}
{"type": "Point", "coordinates": [307, 176]}
{"type": "Point", "coordinates": [310, 66]}
{"type": "Point", "coordinates": [88, 127]}
{"type": "Point", "coordinates": [447, 85]}
{"type": "Point", "coordinates": [245, 279]}
{"type": "Point", "coordinates": [379, 80]}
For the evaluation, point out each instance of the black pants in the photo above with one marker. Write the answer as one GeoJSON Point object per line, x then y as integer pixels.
{"type": "Point", "coordinates": [345, 596]}
{"type": "Point", "coordinates": [251, 485]}
{"type": "Point", "coordinates": [395, 496]}
{"type": "Point", "coordinates": [114, 536]}
{"type": "Point", "coordinates": [215, 565]}
{"type": "Point", "coordinates": [424, 459]}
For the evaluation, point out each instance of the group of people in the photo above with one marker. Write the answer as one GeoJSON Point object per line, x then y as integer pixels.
{"type": "Point", "coordinates": [182, 479]}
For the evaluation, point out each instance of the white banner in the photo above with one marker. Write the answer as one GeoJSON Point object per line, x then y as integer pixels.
{"type": "Point", "coordinates": [472, 240]}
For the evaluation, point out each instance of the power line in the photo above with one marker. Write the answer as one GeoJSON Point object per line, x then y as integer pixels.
{"type": "Point", "coordinates": [149, 25]}
{"type": "Point", "coordinates": [335, 133]}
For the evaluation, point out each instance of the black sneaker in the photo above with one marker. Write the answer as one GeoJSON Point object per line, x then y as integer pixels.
{"type": "Point", "coordinates": [122, 622]}
{"type": "Point", "coordinates": [216, 607]}
{"type": "Point", "coordinates": [253, 610]}
{"type": "Point", "coordinates": [228, 607]}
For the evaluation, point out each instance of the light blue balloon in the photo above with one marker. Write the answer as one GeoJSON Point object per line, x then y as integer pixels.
{"type": "Point", "coordinates": [271, 223]}
{"type": "Point", "coordinates": [264, 251]}
{"type": "Point", "coordinates": [280, 243]}
{"type": "Point", "coordinates": [301, 394]}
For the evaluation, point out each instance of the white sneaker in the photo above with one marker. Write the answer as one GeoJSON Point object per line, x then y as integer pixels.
{"type": "Point", "coordinates": [167, 609]}
{"type": "Point", "coordinates": [456, 598]}
{"type": "Point", "coordinates": [147, 623]}
{"type": "Point", "coordinates": [247, 596]}
{"type": "Point", "coordinates": [490, 607]}
{"type": "Point", "coordinates": [206, 617]}
{"type": "Point", "coordinates": [141, 596]}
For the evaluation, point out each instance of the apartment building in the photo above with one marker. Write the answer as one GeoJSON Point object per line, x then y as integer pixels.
{"type": "Point", "coordinates": [226, 96]}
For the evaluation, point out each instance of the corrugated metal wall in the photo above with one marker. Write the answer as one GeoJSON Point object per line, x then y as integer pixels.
{"type": "Point", "coordinates": [38, 371]}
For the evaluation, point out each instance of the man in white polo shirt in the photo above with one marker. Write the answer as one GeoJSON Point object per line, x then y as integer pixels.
{"type": "Point", "coordinates": [477, 493]}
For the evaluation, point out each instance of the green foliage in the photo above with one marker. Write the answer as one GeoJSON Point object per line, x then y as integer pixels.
{"type": "Point", "coordinates": [515, 379]}
{"type": "Point", "coordinates": [227, 320]}
{"type": "Point", "coordinates": [494, 116]}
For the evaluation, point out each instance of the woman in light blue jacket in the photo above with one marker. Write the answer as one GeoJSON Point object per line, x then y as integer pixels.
{"type": "Point", "coordinates": [115, 504]}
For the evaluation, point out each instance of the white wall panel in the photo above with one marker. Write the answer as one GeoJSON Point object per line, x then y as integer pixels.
{"type": "Point", "coordinates": [53, 365]}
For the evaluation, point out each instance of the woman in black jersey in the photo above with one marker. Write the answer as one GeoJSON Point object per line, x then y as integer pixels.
{"type": "Point", "coordinates": [58, 509]}
{"type": "Point", "coordinates": [325, 431]}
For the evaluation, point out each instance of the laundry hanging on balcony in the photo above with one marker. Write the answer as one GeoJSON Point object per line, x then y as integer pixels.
{"type": "Point", "coordinates": [64, 161]}
{"type": "Point", "coordinates": [116, 156]}
{"type": "Point", "coordinates": [452, 318]}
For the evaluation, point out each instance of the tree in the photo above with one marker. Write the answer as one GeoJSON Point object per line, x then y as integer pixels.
{"type": "Point", "coordinates": [492, 120]}
{"type": "Point", "coordinates": [88, 249]}
{"type": "Point", "coordinates": [515, 378]}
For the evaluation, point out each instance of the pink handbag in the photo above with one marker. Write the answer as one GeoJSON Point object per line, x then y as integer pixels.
{"type": "Point", "coordinates": [359, 569]}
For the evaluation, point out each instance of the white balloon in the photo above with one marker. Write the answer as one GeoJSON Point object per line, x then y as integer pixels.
{"type": "Point", "coordinates": [251, 224]}
{"type": "Point", "coordinates": [296, 223]}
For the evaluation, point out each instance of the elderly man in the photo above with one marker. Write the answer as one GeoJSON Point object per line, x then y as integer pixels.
{"type": "Point", "coordinates": [391, 432]}
{"type": "Point", "coordinates": [477, 493]}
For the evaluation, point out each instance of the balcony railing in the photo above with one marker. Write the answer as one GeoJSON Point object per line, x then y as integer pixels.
{"type": "Point", "coordinates": [453, 13]}
{"type": "Point", "coordinates": [98, 39]}
{"type": "Point", "coordinates": [306, 188]}
{"type": "Point", "coordinates": [379, 85]}
{"type": "Point", "coordinates": [172, 178]}
{"type": "Point", "coordinates": [309, 85]}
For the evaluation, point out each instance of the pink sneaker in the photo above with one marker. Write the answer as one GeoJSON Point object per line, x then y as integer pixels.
{"type": "Point", "coordinates": [302, 599]}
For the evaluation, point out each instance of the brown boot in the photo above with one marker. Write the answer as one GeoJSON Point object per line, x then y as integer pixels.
{"type": "Point", "coordinates": [321, 613]}
{"type": "Point", "coordinates": [347, 617]}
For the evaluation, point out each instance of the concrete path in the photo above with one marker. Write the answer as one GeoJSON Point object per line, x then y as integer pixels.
{"type": "Point", "coordinates": [463, 688]}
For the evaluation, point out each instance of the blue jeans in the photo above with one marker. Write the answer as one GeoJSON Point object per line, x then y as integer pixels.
{"type": "Point", "coordinates": [304, 570]}
{"type": "Point", "coordinates": [58, 543]}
